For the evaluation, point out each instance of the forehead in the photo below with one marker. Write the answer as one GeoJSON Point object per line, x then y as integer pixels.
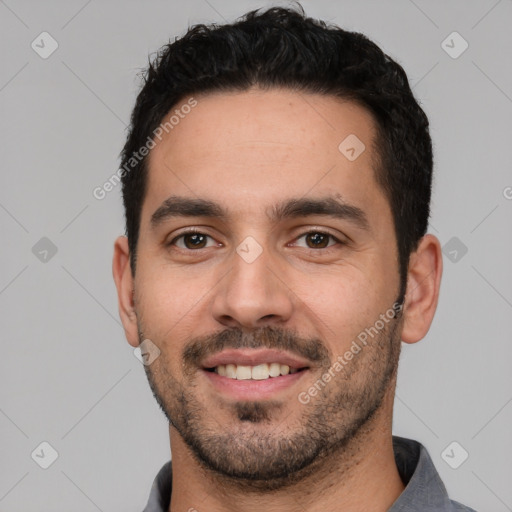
{"type": "Point", "coordinates": [254, 146]}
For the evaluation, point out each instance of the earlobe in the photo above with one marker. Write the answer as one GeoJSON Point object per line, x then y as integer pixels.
{"type": "Point", "coordinates": [423, 284]}
{"type": "Point", "coordinates": [123, 279]}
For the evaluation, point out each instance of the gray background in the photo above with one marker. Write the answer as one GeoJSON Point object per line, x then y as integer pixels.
{"type": "Point", "coordinates": [69, 377]}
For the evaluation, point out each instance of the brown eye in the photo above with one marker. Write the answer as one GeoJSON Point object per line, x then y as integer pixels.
{"type": "Point", "coordinates": [192, 241]}
{"type": "Point", "coordinates": [318, 240]}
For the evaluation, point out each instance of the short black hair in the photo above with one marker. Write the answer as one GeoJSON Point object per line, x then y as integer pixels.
{"type": "Point", "coordinates": [282, 48]}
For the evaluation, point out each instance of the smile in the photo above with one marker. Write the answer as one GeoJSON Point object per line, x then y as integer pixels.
{"type": "Point", "coordinates": [259, 372]}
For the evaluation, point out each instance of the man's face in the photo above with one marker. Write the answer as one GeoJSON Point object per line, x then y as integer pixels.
{"type": "Point", "coordinates": [252, 286]}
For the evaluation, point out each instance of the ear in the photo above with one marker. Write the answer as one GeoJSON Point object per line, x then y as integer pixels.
{"type": "Point", "coordinates": [124, 283]}
{"type": "Point", "coordinates": [423, 283]}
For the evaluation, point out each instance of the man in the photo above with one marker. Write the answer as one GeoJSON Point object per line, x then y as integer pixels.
{"type": "Point", "coordinates": [276, 183]}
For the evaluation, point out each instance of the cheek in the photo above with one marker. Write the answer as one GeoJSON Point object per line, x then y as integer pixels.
{"type": "Point", "coordinates": [340, 305]}
{"type": "Point", "coordinates": [168, 302]}
{"type": "Point", "coordinates": [333, 300]}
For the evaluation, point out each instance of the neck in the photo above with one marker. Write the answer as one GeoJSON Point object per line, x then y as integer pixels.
{"type": "Point", "coordinates": [361, 476]}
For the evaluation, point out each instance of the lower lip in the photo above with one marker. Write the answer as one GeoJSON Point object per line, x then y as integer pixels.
{"type": "Point", "coordinates": [252, 389]}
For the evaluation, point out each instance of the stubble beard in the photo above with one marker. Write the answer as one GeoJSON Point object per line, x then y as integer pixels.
{"type": "Point", "coordinates": [256, 451]}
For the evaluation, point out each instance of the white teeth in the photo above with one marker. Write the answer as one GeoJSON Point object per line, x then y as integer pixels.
{"type": "Point", "coordinates": [231, 371]}
{"type": "Point", "coordinates": [243, 372]}
{"type": "Point", "coordinates": [275, 370]}
{"type": "Point", "coordinates": [258, 372]}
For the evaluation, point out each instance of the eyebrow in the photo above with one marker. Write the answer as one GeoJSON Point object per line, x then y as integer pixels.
{"type": "Point", "coordinates": [179, 206]}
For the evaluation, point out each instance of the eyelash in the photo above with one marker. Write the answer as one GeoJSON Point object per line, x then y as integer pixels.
{"type": "Point", "coordinates": [193, 231]}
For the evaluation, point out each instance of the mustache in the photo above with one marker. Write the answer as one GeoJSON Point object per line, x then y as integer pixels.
{"type": "Point", "coordinates": [263, 337]}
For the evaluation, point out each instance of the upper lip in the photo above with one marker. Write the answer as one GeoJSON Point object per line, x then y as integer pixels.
{"type": "Point", "coordinates": [253, 357]}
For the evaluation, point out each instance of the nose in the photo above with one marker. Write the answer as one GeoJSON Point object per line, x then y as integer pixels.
{"type": "Point", "coordinates": [252, 294]}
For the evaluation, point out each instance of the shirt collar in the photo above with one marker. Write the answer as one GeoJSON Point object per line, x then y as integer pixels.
{"type": "Point", "coordinates": [424, 489]}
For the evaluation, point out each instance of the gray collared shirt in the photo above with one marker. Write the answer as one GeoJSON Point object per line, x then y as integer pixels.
{"type": "Point", "coordinates": [424, 489]}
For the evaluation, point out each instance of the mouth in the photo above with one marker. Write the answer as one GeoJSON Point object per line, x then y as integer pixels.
{"type": "Point", "coordinates": [253, 374]}
{"type": "Point", "coordinates": [262, 371]}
